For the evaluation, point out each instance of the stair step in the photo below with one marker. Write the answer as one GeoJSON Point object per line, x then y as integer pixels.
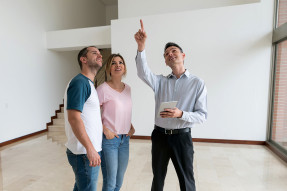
{"type": "Point", "coordinates": [56, 128]}
{"type": "Point", "coordinates": [59, 121]}
{"type": "Point", "coordinates": [60, 115]}
{"type": "Point", "coordinates": [62, 139]}
{"type": "Point", "coordinates": [56, 133]}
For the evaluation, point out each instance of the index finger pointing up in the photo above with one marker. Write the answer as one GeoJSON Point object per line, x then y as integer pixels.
{"type": "Point", "coordinates": [142, 27]}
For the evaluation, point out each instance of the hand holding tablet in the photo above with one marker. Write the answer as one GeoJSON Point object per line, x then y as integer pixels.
{"type": "Point", "coordinates": [166, 105]}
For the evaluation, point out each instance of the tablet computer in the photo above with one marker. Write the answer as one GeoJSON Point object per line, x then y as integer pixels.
{"type": "Point", "coordinates": [166, 105]}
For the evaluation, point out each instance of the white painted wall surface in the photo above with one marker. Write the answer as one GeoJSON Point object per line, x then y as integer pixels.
{"type": "Point", "coordinates": [228, 47]}
{"type": "Point", "coordinates": [135, 8]}
{"type": "Point", "coordinates": [33, 78]}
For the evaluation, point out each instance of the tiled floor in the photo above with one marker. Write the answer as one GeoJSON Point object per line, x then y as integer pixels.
{"type": "Point", "coordinates": [40, 164]}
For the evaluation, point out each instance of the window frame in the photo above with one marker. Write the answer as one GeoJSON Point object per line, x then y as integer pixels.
{"type": "Point", "coordinates": [278, 36]}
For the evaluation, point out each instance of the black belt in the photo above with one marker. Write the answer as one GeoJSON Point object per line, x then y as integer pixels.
{"type": "Point", "coordinates": [171, 131]}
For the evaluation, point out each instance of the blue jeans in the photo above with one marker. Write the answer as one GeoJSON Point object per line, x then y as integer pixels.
{"type": "Point", "coordinates": [115, 157]}
{"type": "Point", "coordinates": [86, 177]}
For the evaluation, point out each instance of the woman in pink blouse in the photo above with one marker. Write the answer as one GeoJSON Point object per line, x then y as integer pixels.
{"type": "Point", "coordinates": [115, 99]}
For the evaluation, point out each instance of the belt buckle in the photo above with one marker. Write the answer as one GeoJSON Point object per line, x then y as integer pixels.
{"type": "Point", "coordinates": [168, 131]}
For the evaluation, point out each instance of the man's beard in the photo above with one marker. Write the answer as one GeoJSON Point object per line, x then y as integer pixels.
{"type": "Point", "coordinates": [94, 67]}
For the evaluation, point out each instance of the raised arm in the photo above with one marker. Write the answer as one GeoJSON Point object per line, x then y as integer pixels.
{"type": "Point", "coordinates": [140, 37]}
{"type": "Point", "coordinates": [144, 72]}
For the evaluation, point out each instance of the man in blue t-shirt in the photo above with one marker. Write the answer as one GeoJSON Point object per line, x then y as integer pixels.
{"type": "Point", "coordinates": [83, 123]}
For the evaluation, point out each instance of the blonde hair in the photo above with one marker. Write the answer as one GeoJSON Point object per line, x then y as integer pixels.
{"type": "Point", "coordinates": [109, 65]}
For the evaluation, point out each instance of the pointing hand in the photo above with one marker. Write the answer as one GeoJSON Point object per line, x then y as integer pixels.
{"type": "Point", "coordinates": [140, 37]}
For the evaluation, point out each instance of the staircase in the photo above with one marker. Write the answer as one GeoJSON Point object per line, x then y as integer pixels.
{"type": "Point", "coordinates": [56, 129]}
{"type": "Point", "coordinates": [58, 122]}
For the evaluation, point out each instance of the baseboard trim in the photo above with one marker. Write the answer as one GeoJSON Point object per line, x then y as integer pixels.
{"type": "Point", "coordinates": [22, 138]}
{"type": "Point", "coordinates": [247, 142]}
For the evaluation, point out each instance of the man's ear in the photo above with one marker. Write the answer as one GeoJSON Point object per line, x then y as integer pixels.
{"type": "Point", "coordinates": [183, 55]}
{"type": "Point", "coordinates": [83, 59]}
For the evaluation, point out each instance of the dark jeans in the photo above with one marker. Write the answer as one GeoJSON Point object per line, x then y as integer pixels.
{"type": "Point", "coordinates": [85, 175]}
{"type": "Point", "coordinates": [178, 148]}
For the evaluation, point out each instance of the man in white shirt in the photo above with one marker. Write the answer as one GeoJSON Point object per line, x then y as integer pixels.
{"type": "Point", "coordinates": [83, 124]}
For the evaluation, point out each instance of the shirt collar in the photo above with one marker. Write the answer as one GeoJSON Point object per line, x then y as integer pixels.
{"type": "Point", "coordinates": [186, 73]}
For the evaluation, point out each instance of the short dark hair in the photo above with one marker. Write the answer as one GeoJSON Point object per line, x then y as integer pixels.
{"type": "Point", "coordinates": [83, 53]}
{"type": "Point", "coordinates": [169, 44]}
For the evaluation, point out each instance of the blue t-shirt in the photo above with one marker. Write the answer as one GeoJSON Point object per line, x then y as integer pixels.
{"type": "Point", "coordinates": [78, 92]}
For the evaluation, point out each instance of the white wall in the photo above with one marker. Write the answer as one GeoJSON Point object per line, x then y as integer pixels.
{"type": "Point", "coordinates": [228, 47]}
{"type": "Point", "coordinates": [135, 8]}
{"type": "Point", "coordinates": [33, 78]}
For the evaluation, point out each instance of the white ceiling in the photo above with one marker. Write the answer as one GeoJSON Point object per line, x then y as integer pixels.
{"type": "Point", "coordinates": [110, 2]}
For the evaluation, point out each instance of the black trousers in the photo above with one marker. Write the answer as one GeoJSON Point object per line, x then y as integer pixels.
{"type": "Point", "coordinates": [178, 148]}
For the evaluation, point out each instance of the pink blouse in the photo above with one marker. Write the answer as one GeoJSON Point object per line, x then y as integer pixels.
{"type": "Point", "coordinates": [116, 108]}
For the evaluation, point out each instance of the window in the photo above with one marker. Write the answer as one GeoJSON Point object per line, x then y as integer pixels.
{"type": "Point", "coordinates": [281, 12]}
{"type": "Point", "coordinates": [279, 113]}
{"type": "Point", "coordinates": [277, 139]}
